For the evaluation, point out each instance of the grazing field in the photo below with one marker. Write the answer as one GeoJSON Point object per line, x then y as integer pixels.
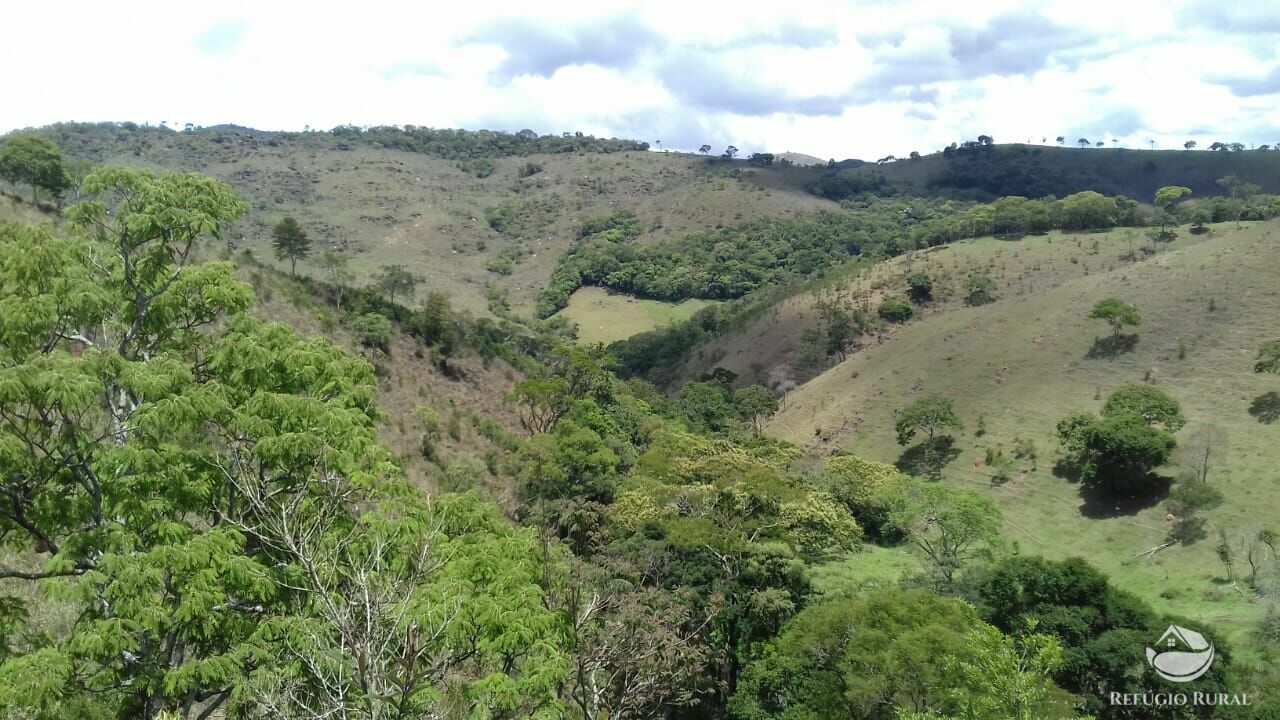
{"type": "Point", "coordinates": [603, 317]}
{"type": "Point", "coordinates": [1015, 367]}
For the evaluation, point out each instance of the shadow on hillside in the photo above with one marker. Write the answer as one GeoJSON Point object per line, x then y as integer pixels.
{"type": "Point", "coordinates": [927, 459]}
{"type": "Point", "coordinates": [1112, 346]}
{"type": "Point", "coordinates": [1266, 408]}
{"type": "Point", "coordinates": [1099, 501]}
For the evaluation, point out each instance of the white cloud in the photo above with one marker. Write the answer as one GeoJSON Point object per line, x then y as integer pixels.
{"type": "Point", "coordinates": [834, 79]}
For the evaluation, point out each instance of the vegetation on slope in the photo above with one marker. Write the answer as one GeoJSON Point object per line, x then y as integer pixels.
{"type": "Point", "coordinates": [988, 171]}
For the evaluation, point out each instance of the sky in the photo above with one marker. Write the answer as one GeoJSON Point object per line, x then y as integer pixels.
{"type": "Point", "coordinates": [864, 78]}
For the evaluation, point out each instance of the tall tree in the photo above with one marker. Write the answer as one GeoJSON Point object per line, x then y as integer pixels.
{"type": "Point", "coordinates": [335, 268]}
{"type": "Point", "coordinates": [208, 493]}
{"type": "Point", "coordinates": [756, 405]}
{"type": "Point", "coordinates": [290, 241]}
{"type": "Point", "coordinates": [33, 160]}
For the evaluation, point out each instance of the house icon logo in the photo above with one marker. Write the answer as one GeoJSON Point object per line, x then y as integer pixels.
{"type": "Point", "coordinates": [1181, 655]}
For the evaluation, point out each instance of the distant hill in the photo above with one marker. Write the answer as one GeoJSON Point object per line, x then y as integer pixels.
{"type": "Point", "coordinates": [800, 159]}
{"type": "Point", "coordinates": [987, 172]}
{"type": "Point", "coordinates": [422, 199]}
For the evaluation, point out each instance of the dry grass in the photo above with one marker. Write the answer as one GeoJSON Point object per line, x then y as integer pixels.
{"type": "Point", "coordinates": [385, 207]}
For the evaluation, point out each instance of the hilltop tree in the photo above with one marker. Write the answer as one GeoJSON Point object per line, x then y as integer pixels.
{"type": "Point", "coordinates": [395, 281]}
{"type": "Point", "coordinates": [730, 152]}
{"type": "Point", "coordinates": [704, 149]}
{"type": "Point", "coordinates": [1189, 145]}
{"type": "Point", "coordinates": [1100, 143]}
{"type": "Point", "coordinates": [1118, 313]}
{"type": "Point", "coordinates": [1083, 142]}
{"type": "Point", "coordinates": [290, 241]}
{"type": "Point", "coordinates": [33, 160]}
{"type": "Point", "coordinates": [1061, 140]}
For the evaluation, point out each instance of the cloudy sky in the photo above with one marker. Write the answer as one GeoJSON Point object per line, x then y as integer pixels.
{"type": "Point", "coordinates": [833, 79]}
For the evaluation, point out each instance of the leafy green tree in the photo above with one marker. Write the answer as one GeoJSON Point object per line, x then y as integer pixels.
{"type": "Point", "coordinates": [896, 310]}
{"type": "Point", "coordinates": [1102, 629]}
{"type": "Point", "coordinates": [1150, 403]}
{"type": "Point", "coordinates": [373, 331]}
{"type": "Point", "coordinates": [920, 287]}
{"type": "Point", "coordinates": [707, 406]}
{"type": "Point", "coordinates": [981, 290]}
{"type": "Point", "coordinates": [1166, 201]}
{"type": "Point", "coordinates": [574, 461]}
{"type": "Point", "coordinates": [28, 159]}
{"type": "Point", "coordinates": [858, 658]}
{"type": "Point", "coordinates": [1088, 209]}
{"type": "Point", "coordinates": [704, 149]}
{"type": "Point", "coordinates": [214, 504]}
{"type": "Point", "coordinates": [755, 404]}
{"type": "Point", "coordinates": [931, 415]}
{"type": "Point", "coordinates": [1118, 451]}
{"type": "Point", "coordinates": [289, 240]}
{"type": "Point", "coordinates": [949, 525]}
{"type": "Point", "coordinates": [1118, 314]}
{"type": "Point", "coordinates": [396, 281]}
{"type": "Point", "coordinates": [1005, 677]}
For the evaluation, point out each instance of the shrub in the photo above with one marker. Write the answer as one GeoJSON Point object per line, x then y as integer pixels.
{"type": "Point", "coordinates": [373, 331]}
{"type": "Point", "coordinates": [896, 310]}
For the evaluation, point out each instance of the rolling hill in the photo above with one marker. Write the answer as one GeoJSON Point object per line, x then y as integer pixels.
{"type": "Point", "coordinates": [986, 172]}
{"type": "Point", "coordinates": [1017, 366]}
{"type": "Point", "coordinates": [382, 205]}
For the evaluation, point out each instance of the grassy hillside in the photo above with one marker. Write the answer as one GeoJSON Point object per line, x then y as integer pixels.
{"type": "Point", "coordinates": [767, 347]}
{"type": "Point", "coordinates": [1024, 362]}
{"type": "Point", "coordinates": [385, 206]}
{"type": "Point", "coordinates": [1038, 171]}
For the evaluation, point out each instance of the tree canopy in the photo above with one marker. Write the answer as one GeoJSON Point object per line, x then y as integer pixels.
{"type": "Point", "coordinates": [28, 159]}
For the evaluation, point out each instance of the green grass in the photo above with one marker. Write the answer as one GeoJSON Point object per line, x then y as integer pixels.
{"type": "Point", "coordinates": [1021, 363]}
{"type": "Point", "coordinates": [603, 317]}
